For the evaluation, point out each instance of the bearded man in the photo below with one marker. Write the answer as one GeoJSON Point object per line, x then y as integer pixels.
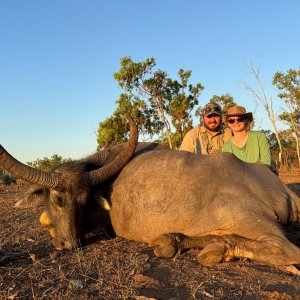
{"type": "Point", "coordinates": [209, 137]}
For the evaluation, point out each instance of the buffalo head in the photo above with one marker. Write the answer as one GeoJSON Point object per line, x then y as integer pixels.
{"type": "Point", "coordinates": [74, 190]}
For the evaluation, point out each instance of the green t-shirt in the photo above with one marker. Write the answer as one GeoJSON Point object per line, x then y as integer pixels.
{"type": "Point", "coordinates": [256, 149]}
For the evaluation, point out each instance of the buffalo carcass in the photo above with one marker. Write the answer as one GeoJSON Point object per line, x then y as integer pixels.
{"type": "Point", "coordinates": [176, 200]}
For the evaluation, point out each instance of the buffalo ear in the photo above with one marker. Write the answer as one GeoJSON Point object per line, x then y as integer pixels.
{"type": "Point", "coordinates": [34, 194]}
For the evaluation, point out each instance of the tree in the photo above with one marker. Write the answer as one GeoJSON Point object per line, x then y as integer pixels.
{"type": "Point", "coordinates": [260, 96]}
{"type": "Point", "coordinates": [289, 155]}
{"type": "Point", "coordinates": [115, 129]}
{"type": "Point", "coordinates": [289, 85]}
{"type": "Point", "coordinates": [111, 131]}
{"type": "Point", "coordinates": [225, 101]}
{"type": "Point", "coordinates": [48, 164]}
{"type": "Point", "coordinates": [161, 99]}
{"type": "Point", "coordinates": [291, 117]}
{"type": "Point", "coordinates": [6, 177]}
{"type": "Point", "coordinates": [181, 105]}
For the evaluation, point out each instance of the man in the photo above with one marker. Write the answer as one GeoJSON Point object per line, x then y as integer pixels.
{"type": "Point", "coordinates": [208, 138]}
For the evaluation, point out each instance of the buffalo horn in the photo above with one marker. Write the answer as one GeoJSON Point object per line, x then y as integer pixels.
{"type": "Point", "coordinates": [27, 173]}
{"type": "Point", "coordinates": [107, 171]}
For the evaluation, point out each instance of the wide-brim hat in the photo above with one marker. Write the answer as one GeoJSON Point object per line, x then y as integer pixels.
{"type": "Point", "coordinates": [237, 111]}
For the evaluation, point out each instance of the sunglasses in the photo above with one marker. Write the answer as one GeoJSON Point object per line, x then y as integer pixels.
{"type": "Point", "coordinates": [239, 120]}
{"type": "Point", "coordinates": [212, 109]}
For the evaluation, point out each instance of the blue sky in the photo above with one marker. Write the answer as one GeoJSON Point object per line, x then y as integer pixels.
{"type": "Point", "coordinates": [57, 60]}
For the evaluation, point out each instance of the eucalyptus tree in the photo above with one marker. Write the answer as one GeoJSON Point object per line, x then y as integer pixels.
{"type": "Point", "coordinates": [225, 101]}
{"type": "Point", "coordinates": [47, 164]}
{"type": "Point", "coordinates": [260, 95]}
{"type": "Point", "coordinates": [289, 85]}
{"type": "Point", "coordinates": [115, 129]}
{"type": "Point", "coordinates": [161, 99]}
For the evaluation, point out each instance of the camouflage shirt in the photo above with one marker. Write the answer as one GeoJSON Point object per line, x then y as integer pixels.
{"type": "Point", "coordinates": [200, 141]}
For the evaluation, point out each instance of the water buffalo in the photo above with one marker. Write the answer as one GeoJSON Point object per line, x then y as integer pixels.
{"type": "Point", "coordinates": [174, 200]}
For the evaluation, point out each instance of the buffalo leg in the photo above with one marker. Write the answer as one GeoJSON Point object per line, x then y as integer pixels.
{"type": "Point", "coordinates": [274, 250]}
{"type": "Point", "coordinates": [168, 245]}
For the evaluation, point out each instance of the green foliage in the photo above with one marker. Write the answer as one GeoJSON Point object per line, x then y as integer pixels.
{"type": "Point", "coordinates": [115, 129]}
{"type": "Point", "coordinates": [48, 164]}
{"type": "Point", "coordinates": [6, 177]}
{"type": "Point", "coordinates": [289, 154]}
{"type": "Point", "coordinates": [131, 74]}
{"type": "Point", "coordinates": [145, 117]}
{"type": "Point", "coordinates": [158, 103]}
{"type": "Point", "coordinates": [225, 101]}
{"type": "Point", "coordinates": [271, 139]}
{"type": "Point", "coordinates": [289, 85]}
{"type": "Point", "coordinates": [286, 117]}
{"type": "Point", "coordinates": [112, 131]}
{"type": "Point", "coordinates": [183, 99]}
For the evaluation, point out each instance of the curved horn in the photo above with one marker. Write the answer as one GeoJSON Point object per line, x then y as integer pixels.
{"type": "Point", "coordinates": [22, 171]}
{"type": "Point", "coordinates": [107, 171]}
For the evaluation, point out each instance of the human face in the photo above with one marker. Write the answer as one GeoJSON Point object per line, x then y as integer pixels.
{"type": "Point", "coordinates": [212, 122]}
{"type": "Point", "coordinates": [237, 123]}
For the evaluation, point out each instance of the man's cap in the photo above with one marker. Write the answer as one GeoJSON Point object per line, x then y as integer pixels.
{"type": "Point", "coordinates": [211, 108]}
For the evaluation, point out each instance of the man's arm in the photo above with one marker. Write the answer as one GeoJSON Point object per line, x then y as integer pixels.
{"type": "Point", "coordinates": [188, 143]}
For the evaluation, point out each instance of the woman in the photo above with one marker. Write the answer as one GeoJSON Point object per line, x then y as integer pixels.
{"type": "Point", "coordinates": [249, 146]}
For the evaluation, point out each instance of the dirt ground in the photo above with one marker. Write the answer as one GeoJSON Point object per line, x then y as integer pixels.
{"type": "Point", "coordinates": [30, 267]}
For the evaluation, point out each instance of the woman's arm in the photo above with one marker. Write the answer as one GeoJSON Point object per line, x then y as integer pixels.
{"type": "Point", "coordinates": [264, 149]}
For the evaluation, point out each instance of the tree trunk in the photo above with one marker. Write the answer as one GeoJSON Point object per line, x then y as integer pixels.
{"type": "Point", "coordinates": [167, 126]}
{"type": "Point", "coordinates": [167, 129]}
{"type": "Point", "coordinates": [279, 145]}
{"type": "Point", "coordinates": [297, 146]}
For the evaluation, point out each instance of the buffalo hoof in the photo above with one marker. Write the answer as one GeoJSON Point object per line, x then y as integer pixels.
{"type": "Point", "coordinates": [212, 254]}
{"type": "Point", "coordinates": [165, 251]}
{"type": "Point", "coordinates": [166, 245]}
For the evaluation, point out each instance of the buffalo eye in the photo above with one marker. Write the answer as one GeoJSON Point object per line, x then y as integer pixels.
{"type": "Point", "coordinates": [57, 199]}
